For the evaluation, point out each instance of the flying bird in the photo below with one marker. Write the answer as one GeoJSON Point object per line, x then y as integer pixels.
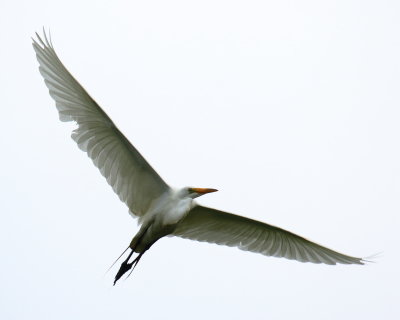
{"type": "Point", "coordinates": [161, 210]}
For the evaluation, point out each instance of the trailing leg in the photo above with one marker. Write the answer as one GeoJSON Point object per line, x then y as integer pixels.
{"type": "Point", "coordinates": [126, 266]}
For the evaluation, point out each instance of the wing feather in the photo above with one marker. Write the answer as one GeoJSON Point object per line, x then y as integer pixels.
{"type": "Point", "coordinates": [131, 177]}
{"type": "Point", "coordinates": [214, 226]}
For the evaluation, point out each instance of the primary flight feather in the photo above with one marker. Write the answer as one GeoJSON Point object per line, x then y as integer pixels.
{"type": "Point", "coordinates": [161, 210]}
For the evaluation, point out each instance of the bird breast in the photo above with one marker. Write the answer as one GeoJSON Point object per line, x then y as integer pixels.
{"type": "Point", "coordinates": [175, 210]}
{"type": "Point", "coordinates": [168, 210]}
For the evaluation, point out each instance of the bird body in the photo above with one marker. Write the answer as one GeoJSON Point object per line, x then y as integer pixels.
{"type": "Point", "coordinates": [162, 217]}
{"type": "Point", "coordinates": [170, 208]}
{"type": "Point", "coordinates": [160, 209]}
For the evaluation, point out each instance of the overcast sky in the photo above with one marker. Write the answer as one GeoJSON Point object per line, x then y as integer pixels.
{"type": "Point", "coordinates": [290, 108]}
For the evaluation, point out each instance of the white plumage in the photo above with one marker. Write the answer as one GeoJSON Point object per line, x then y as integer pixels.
{"type": "Point", "coordinates": [161, 210]}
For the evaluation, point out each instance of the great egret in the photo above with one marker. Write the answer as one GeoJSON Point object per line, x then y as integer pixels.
{"type": "Point", "coordinates": [161, 210]}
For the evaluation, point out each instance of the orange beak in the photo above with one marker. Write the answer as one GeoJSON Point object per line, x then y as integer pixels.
{"type": "Point", "coordinates": [203, 190]}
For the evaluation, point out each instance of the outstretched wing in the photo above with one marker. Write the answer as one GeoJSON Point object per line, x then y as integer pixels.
{"type": "Point", "coordinates": [131, 177]}
{"type": "Point", "coordinates": [214, 226]}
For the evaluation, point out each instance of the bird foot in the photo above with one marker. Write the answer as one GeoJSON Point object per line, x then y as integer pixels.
{"type": "Point", "coordinates": [125, 267]}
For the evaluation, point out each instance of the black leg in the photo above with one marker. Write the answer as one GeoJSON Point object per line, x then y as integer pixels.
{"type": "Point", "coordinates": [125, 266]}
{"type": "Point", "coordinates": [135, 262]}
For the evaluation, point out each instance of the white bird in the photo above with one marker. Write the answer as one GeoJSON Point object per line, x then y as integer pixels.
{"type": "Point", "coordinates": [161, 210]}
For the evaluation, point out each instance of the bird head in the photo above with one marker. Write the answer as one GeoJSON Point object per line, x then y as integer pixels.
{"type": "Point", "coordinates": [197, 192]}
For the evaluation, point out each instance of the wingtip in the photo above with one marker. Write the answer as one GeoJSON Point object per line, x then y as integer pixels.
{"type": "Point", "coordinates": [46, 41]}
{"type": "Point", "coordinates": [372, 258]}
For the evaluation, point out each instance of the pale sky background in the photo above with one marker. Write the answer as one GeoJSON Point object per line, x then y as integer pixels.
{"type": "Point", "coordinates": [290, 108]}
